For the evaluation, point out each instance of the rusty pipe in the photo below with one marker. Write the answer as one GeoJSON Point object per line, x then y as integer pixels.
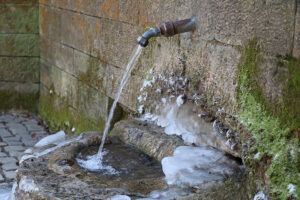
{"type": "Point", "coordinates": [167, 29]}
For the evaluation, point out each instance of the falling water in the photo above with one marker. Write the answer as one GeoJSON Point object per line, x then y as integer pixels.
{"type": "Point", "coordinates": [131, 64]}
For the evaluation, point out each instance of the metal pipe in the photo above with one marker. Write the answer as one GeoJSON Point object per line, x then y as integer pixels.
{"type": "Point", "coordinates": [167, 29]}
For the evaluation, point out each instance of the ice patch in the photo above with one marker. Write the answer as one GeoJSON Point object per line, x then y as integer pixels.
{"type": "Point", "coordinates": [164, 100]}
{"type": "Point", "coordinates": [256, 156]}
{"type": "Point", "coordinates": [291, 188]}
{"type": "Point", "coordinates": [260, 196]}
{"type": "Point", "coordinates": [28, 185]}
{"type": "Point", "coordinates": [51, 139]}
{"type": "Point", "coordinates": [180, 100]}
{"type": "Point", "coordinates": [5, 193]}
{"type": "Point", "coordinates": [120, 197]}
{"type": "Point", "coordinates": [95, 164]}
{"type": "Point", "coordinates": [196, 166]}
{"type": "Point", "coordinates": [141, 109]}
{"type": "Point", "coordinates": [38, 154]}
{"type": "Point", "coordinates": [73, 129]}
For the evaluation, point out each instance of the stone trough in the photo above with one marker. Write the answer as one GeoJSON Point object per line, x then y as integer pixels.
{"type": "Point", "coordinates": [51, 172]}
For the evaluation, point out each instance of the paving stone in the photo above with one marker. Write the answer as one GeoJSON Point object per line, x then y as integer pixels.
{"type": "Point", "coordinates": [17, 129]}
{"type": "Point", "coordinates": [12, 143]}
{"type": "Point", "coordinates": [10, 166]}
{"type": "Point", "coordinates": [12, 139]}
{"type": "Point", "coordinates": [7, 160]}
{"type": "Point", "coordinates": [4, 133]}
{"type": "Point", "coordinates": [15, 153]}
{"type": "Point", "coordinates": [14, 148]}
{"type": "Point", "coordinates": [1, 178]}
{"type": "Point", "coordinates": [2, 125]}
{"type": "Point", "coordinates": [2, 144]}
{"type": "Point", "coordinates": [34, 127]}
{"type": "Point", "coordinates": [10, 174]}
{"type": "Point", "coordinates": [2, 154]}
{"type": "Point", "coordinates": [29, 143]}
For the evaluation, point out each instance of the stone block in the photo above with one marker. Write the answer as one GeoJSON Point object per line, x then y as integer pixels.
{"type": "Point", "coordinates": [296, 50]}
{"type": "Point", "coordinates": [12, 139]}
{"type": "Point", "coordinates": [69, 89]}
{"type": "Point", "coordinates": [5, 160]}
{"type": "Point", "coordinates": [24, 2]}
{"type": "Point", "coordinates": [2, 144]}
{"type": "Point", "coordinates": [1, 178]}
{"type": "Point", "coordinates": [117, 42]}
{"type": "Point", "coordinates": [19, 69]}
{"type": "Point", "coordinates": [150, 13]}
{"type": "Point", "coordinates": [10, 174]}
{"type": "Point", "coordinates": [14, 148]}
{"type": "Point", "coordinates": [128, 11]}
{"type": "Point", "coordinates": [16, 154]}
{"type": "Point", "coordinates": [64, 58]}
{"type": "Point", "coordinates": [81, 32]}
{"type": "Point", "coordinates": [234, 22]}
{"type": "Point", "coordinates": [92, 102]}
{"type": "Point", "coordinates": [16, 18]}
{"type": "Point", "coordinates": [45, 73]}
{"type": "Point", "coordinates": [4, 133]}
{"type": "Point", "coordinates": [19, 44]}
{"type": "Point", "coordinates": [9, 166]}
{"type": "Point", "coordinates": [91, 71]}
{"type": "Point", "coordinates": [3, 154]}
{"type": "Point", "coordinates": [50, 23]}
{"type": "Point", "coordinates": [17, 129]}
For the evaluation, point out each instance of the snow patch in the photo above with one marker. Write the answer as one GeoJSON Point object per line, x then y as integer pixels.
{"type": "Point", "coordinates": [196, 165]}
{"type": "Point", "coordinates": [260, 196]}
{"type": "Point", "coordinates": [164, 100]}
{"type": "Point", "coordinates": [180, 100]}
{"type": "Point", "coordinates": [5, 193]}
{"type": "Point", "coordinates": [291, 188]}
{"type": "Point", "coordinates": [51, 139]}
{"type": "Point", "coordinates": [120, 197]}
{"type": "Point", "coordinates": [28, 185]}
{"type": "Point", "coordinates": [256, 156]}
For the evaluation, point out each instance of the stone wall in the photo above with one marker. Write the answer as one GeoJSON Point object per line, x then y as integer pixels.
{"type": "Point", "coordinates": [19, 54]}
{"type": "Point", "coordinates": [85, 46]}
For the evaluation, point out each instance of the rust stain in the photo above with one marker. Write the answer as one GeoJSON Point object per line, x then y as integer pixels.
{"type": "Point", "coordinates": [110, 9]}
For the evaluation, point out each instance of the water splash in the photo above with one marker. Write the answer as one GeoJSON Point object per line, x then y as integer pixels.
{"type": "Point", "coordinates": [131, 64]}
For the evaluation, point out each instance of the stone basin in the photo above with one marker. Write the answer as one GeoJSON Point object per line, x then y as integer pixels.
{"type": "Point", "coordinates": [135, 149]}
{"type": "Point", "coordinates": [57, 174]}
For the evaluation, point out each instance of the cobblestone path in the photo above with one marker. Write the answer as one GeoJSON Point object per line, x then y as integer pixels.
{"type": "Point", "coordinates": [18, 132]}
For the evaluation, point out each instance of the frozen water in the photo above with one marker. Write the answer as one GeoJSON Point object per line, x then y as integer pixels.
{"type": "Point", "coordinates": [5, 193]}
{"type": "Point", "coordinates": [197, 165]}
{"type": "Point", "coordinates": [120, 197]}
{"type": "Point", "coordinates": [94, 164]}
{"type": "Point", "coordinates": [180, 100]}
{"type": "Point", "coordinates": [260, 196]}
{"type": "Point", "coordinates": [51, 139]}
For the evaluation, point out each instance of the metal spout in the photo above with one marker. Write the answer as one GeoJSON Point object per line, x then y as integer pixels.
{"type": "Point", "coordinates": [168, 29]}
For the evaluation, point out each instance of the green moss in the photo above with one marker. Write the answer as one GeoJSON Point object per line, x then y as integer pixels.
{"type": "Point", "coordinates": [275, 145]}
{"type": "Point", "coordinates": [15, 100]}
{"type": "Point", "coordinates": [59, 115]}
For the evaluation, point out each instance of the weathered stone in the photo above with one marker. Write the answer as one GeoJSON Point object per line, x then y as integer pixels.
{"type": "Point", "coordinates": [3, 154]}
{"type": "Point", "coordinates": [14, 148]}
{"type": "Point", "coordinates": [1, 178]}
{"type": "Point", "coordinates": [10, 174]}
{"type": "Point", "coordinates": [81, 32]}
{"type": "Point", "coordinates": [19, 45]}
{"type": "Point", "coordinates": [50, 23]}
{"type": "Point", "coordinates": [9, 166]}
{"type": "Point", "coordinates": [4, 133]}
{"type": "Point", "coordinates": [5, 160]}
{"type": "Point", "coordinates": [12, 139]}
{"type": "Point", "coordinates": [19, 69]}
{"type": "Point", "coordinates": [19, 18]}
{"type": "Point", "coordinates": [139, 134]}
{"type": "Point", "coordinates": [2, 144]}
{"type": "Point", "coordinates": [296, 50]}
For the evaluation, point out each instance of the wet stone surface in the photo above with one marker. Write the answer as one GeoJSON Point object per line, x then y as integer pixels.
{"type": "Point", "coordinates": [18, 132]}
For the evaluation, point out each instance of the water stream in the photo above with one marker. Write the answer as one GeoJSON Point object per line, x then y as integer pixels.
{"type": "Point", "coordinates": [131, 64]}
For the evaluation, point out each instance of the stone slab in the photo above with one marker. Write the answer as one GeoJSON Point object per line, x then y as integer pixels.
{"type": "Point", "coordinates": [3, 154]}
{"type": "Point", "coordinates": [2, 144]}
{"type": "Point", "coordinates": [5, 160]}
{"type": "Point", "coordinates": [14, 148]}
{"type": "Point", "coordinates": [10, 174]}
{"type": "Point", "coordinates": [4, 133]}
{"type": "Point", "coordinates": [9, 166]}
{"type": "Point", "coordinates": [1, 178]}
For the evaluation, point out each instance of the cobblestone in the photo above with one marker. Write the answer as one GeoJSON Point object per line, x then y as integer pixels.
{"type": "Point", "coordinates": [18, 132]}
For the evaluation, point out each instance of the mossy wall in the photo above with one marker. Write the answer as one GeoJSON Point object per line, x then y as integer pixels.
{"type": "Point", "coordinates": [19, 55]}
